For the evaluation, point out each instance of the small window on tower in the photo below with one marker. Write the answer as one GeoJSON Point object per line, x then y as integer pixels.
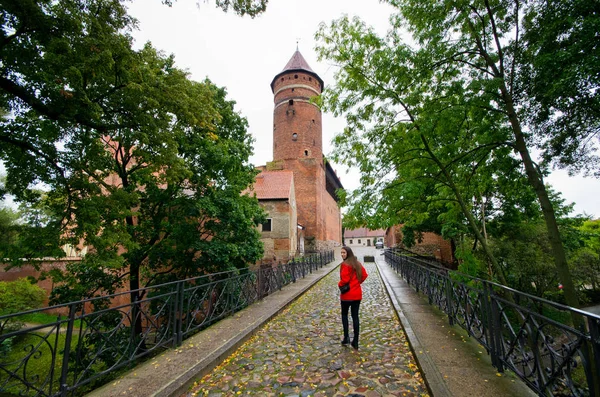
{"type": "Point", "coordinates": [295, 76]}
{"type": "Point", "coordinates": [291, 102]}
{"type": "Point", "coordinates": [310, 79]}
{"type": "Point", "coordinates": [282, 79]}
{"type": "Point", "coordinates": [306, 152]}
{"type": "Point", "coordinates": [294, 137]}
{"type": "Point", "coordinates": [292, 90]}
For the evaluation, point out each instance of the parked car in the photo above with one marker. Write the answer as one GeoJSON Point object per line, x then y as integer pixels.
{"type": "Point", "coordinates": [379, 244]}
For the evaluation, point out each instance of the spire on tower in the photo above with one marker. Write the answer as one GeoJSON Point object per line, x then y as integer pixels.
{"type": "Point", "coordinates": [297, 63]}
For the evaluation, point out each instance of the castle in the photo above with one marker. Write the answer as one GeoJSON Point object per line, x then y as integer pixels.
{"type": "Point", "coordinates": [298, 188]}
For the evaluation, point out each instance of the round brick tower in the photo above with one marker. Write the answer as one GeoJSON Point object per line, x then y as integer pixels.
{"type": "Point", "coordinates": [297, 130]}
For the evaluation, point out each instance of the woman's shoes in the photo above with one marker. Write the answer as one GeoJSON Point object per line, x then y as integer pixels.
{"type": "Point", "coordinates": [354, 344]}
{"type": "Point", "coordinates": [345, 342]}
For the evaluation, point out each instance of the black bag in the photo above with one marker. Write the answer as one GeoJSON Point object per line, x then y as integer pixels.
{"type": "Point", "coordinates": [345, 288]}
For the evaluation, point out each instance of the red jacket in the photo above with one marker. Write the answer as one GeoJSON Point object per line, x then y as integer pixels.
{"type": "Point", "coordinates": [348, 275]}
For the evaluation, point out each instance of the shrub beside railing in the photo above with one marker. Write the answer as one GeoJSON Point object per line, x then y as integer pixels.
{"type": "Point", "coordinates": [95, 339]}
{"type": "Point", "coordinates": [531, 336]}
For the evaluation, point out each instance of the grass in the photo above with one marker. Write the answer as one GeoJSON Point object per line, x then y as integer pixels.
{"type": "Point", "coordinates": [33, 352]}
{"type": "Point", "coordinates": [43, 318]}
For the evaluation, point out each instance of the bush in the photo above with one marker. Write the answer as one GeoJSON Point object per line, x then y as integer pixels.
{"type": "Point", "coordinates": [19, 296]}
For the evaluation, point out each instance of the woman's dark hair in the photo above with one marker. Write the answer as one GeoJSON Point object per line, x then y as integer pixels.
{"type": "Point", "coordinates": [353, 261]}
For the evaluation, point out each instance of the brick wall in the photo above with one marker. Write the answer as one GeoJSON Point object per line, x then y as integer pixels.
{"type": "Point", "coordinates": [297, 146]}
{"type": "Point", "coordinates": [297, 123]}
{"type": "Point", "coordinates": [430, 244]}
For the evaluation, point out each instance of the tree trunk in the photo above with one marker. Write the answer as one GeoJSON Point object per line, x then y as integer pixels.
{"type": "Point", "coordinates": [468, 214]}
{"type": "Point", "coordinates": [535, 179]}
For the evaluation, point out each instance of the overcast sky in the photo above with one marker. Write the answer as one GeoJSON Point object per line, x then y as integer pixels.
{"type": "Point", "coordinates": [244, 54]}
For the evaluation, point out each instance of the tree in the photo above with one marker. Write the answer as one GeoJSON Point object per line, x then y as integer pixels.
{"type": "Point", "coordinates": [423, 152]}
{"type": "Point", "coordinates": [585, 260]}
{"type": "Point", "coordinates": [466, 59]}
{"type": "Point", "coordinates": [142, 165]}
{"type": "Point", "coordinates": [559, 80]}
{"type": "Point", "coordinates": [240, 7]}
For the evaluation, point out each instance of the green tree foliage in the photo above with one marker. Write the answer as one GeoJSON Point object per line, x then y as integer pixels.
{"type": "Point", "coordinates": [560, 80]}
{"type": "Point", "coordinates": [441, 121]}
{"type": "Point", "coordinates": [29, 231]}
{"type": "Point", "coordinates": [8, 229]}
{"type": "Point", "coordinates": [143, 166]}
{"type": "Point", "coordinates": [240, 7]}
{"type": "Point", "coordinates": [18, 296]}
{"type": "Point", "coordinates": [585, 261]}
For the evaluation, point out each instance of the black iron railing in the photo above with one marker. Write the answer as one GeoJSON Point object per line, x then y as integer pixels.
{"type": "Point", "coordinates": [95, 338]}
{"type": "Point", "coordinates": [531, 336]}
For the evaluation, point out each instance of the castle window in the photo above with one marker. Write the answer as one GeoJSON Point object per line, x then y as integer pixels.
{"type": "Point", "coordinates": [306, 152]}
{"type": "Point", "coordinates": [282, 79]}
{"type": "Point", "coordinates": [295, 76]}
{"type": "Point", "coordinates": [350, 241]}
{"type": "Point", "coordinates": [313, 120]}
{"type": "Point", "coordinates": [292, 90]}
{"type": "Point", "coordinates": [291, 102]}
{"type": "Point", "coordinates": [310, 79]}
{"type": "Point", "coordinates": [266, 227]}
{"type": "Point", "coordinates": [294, 137]}
{"type": "Point", "coordinates": [359, 241]}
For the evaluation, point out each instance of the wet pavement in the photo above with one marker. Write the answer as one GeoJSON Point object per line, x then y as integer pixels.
{"type": "Point", "coordinates": [298, 352]}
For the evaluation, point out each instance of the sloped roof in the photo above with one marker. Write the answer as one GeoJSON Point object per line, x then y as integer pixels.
{"type": "Point", "coordinates": [273, 185]}
{"type": "Point", "coordinates": [363, 232]}
{"type": "Point", "coordinates": [297, 63]}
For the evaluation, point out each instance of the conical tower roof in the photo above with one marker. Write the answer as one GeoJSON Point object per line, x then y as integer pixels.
{"type": "Point", "coordinates": [297, 63]}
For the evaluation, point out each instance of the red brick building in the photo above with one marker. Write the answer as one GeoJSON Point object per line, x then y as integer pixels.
{"type": "Point", "coordinates": [298, 148]}
{"type": "Point", "coordinates": [428, 244]}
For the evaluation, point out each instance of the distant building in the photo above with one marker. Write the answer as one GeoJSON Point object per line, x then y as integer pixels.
{"type": "Point", "coordinates": [363, 237]}
{"type": "Point", "coordinates": [429, 244]}
{"type": "Point", "coordinates": [309, 183]}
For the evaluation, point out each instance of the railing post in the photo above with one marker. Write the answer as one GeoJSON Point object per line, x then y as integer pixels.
{"type": "Point", "coordinates": [260, 281]}
{"type": "Point", "coordinates": [67, 350]}
{"type": "Point", "coordinates": [293, 267]}
{"type": "Point", "coordinates": [179, 299]}
{"type": "Point", "coordinates": [449, 310]}
{"type": "Point", "coordinates": [593, 371]}
{"type": "Point", "coordinates": [429, 294]}
{"type": "Point", "coordinates": [279, 276]}
{"type": "Point", "coordinates": [491, 321]}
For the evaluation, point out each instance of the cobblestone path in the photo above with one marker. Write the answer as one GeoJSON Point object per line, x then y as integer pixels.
{"type": "Point", "coordinates": [298, 352]}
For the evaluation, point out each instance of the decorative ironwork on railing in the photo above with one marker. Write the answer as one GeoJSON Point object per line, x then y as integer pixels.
{"type": "Point", "coordinates": [76, 352]}
{"type": "Point", "coordinates": [531, 336]}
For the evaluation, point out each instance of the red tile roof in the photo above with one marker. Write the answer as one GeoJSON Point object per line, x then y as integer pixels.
{"type": "Point", "coordinates": [297, 62]}
{"type": "Point", "coordinates": [364, 232]}
{"type": "Point", "coordinates": [273, 185]}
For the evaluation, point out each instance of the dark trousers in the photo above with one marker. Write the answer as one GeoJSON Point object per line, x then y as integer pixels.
{"type": "Point", "coordinates": [353, 306]}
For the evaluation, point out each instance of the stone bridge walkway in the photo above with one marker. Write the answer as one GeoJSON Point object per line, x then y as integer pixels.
{"type": "Point", "coordinates": [298, 353]}
{"type": "Point", "coordinates": [278, 348]}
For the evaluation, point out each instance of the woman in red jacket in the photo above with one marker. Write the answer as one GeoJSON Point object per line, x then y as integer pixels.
{"type": "Point", "coordinates": [353, 273]}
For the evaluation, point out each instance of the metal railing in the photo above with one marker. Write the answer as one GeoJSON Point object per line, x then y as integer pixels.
{"type": "Point", "coordinates": [95, 338]}
{"type": "Point", "coordinates": [530, 336]}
